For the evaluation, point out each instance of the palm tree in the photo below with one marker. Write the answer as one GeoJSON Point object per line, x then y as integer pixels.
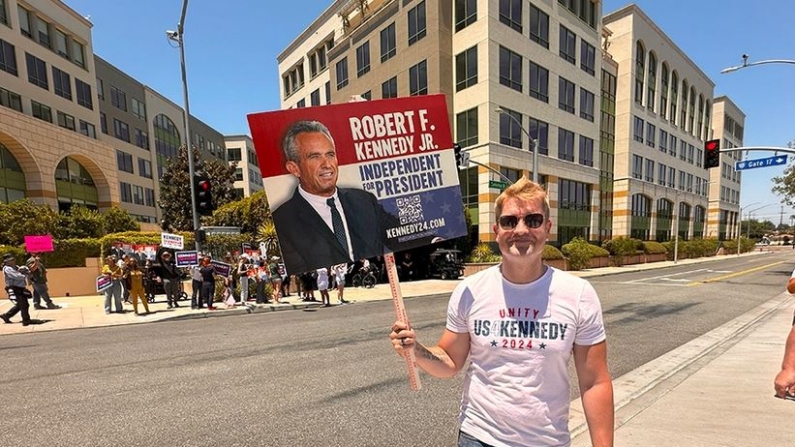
{"type": "Point", "coordinates": [266, 234]}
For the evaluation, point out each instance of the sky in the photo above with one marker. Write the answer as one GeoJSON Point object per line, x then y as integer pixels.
{"type": "Point", "coordinates": [231, 50]}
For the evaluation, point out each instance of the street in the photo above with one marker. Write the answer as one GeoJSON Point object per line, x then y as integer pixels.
{"type": "Point", "coordinates": [322, 377]}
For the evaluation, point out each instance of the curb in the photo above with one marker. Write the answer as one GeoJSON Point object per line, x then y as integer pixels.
{"type": "Point", "coordinates": [245, 310]}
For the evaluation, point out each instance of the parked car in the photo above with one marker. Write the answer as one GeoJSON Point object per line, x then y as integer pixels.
{"type": "Point", "coordinates": [445, 264]}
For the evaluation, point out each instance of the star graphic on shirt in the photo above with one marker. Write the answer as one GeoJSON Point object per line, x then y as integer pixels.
{"type": "Point", "coordinates": [542, 346]}
{"type": "Point", "coordinates": [494, 343]}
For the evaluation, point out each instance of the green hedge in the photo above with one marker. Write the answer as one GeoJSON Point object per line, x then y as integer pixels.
{"type": "Point", "coordinates": [653, 248]}
{"type": "Point", "coordinates": [579, 253]}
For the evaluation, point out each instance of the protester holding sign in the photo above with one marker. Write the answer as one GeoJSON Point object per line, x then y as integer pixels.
{"type": "Point", "coordinates": [171, 278]}
{"type": "Point", "coordinates": [134, 282]}
{"type": "Point", "coordinates": [519, 323]}
{"type": "Point", "coordinates": [112, 270]}
{"type": "Point", "coordinates": [207, 271]}
{"type": "Point", "coordinates": [38, 279]}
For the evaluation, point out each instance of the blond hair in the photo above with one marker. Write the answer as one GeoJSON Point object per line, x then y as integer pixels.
{"type": "Point", "coordinates": [524, 190]}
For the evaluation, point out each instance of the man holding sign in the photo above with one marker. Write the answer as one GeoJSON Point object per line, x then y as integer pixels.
{"type": "Point", "coordinates": [518, 323]}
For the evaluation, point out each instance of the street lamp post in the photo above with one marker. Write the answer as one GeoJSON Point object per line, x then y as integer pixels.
{"type": "Point", "coordinates": [748, 228]}
{"type": "Point", "coordinates": [533, 142]}
{"type": "Point", "coordinates": [746, 64]}
{"type": "Point", "coordinates": [176, 36]}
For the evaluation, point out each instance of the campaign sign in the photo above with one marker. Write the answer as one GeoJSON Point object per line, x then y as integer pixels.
{"type": "Point", "coordinates": [388, 165]}
{"type": "Point", "coordinates": [103, 282]}
{"type": "Point", "coordinates": [186, 258]}
{"type": "Point", "coordinates": [39, 244]}
{"type": "Point", "coordinates": [175, 241]}
{"type": "Point", "coordinates": [221, 268]}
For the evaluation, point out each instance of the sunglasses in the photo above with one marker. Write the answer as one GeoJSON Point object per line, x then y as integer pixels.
{"type": "Point", "coordinates": [533, 220]}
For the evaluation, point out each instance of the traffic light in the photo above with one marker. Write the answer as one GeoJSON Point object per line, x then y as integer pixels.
{"type": "Point", "coordinates": [203, 190]}
{"type": "Point", "coordinates": [461, 157]}
{"type": "Point", "coordinates": [711, 154]}
{"type": "Point", "coordinates": [201, 236]}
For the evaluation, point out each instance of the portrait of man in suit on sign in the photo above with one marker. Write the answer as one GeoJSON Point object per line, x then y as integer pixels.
{"type": "Point", "coordinates": [322, 224]}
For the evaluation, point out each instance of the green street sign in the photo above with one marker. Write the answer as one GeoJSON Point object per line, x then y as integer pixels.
{"type": "Point", "coordinates": [498, 184]}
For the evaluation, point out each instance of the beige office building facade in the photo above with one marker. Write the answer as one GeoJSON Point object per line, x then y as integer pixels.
{"type": "Point", "coordinates": [539, 63]}
{"type": "Point", "coordinates": [248, 178]}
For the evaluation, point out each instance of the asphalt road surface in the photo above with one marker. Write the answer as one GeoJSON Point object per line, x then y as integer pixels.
{"type": "Point", "coordinates": [327, 377]}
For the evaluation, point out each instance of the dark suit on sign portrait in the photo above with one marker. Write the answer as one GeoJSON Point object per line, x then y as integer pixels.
{"type": "Point", "coordinates": [308, 243]}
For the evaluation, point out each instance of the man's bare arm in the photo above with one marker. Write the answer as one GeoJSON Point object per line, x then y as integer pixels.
{"type": "Point", "coordinates": [443, 360]}
{"type": "Point", "coordinates": [596, 390]}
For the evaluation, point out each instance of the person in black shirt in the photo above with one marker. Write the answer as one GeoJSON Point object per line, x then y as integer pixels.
{"type": "Point", "coordinates": [171, 278]}
{"type": "Point", "coordinates": [207, 271]}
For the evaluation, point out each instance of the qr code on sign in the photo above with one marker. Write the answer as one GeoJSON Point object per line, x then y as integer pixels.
{"type": "Point", "coordinates": [409, 209]}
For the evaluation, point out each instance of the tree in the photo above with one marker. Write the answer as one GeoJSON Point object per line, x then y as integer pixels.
{"type": "Point", "coordinates": [25, 217]}
{"type": "Point", "coordinates": [175, 198]}
{"type": "Point", "coordinates": [80, 222]}
{"type": "Point", "coordinates": [266, 234]}
{"type": "Point", "coordinates": [785, 185]}
{"type": "Point", "coordinates": [247, 213]}
{"type": "Point", "coordinates": [118, 220]}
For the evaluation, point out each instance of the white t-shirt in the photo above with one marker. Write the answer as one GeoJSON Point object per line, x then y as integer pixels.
{"type": "Point", "coordinates": [516, 391]}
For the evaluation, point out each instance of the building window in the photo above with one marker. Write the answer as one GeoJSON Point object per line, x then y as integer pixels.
{"type": "Point", "coordinates": [138, 195]}
{"type": "Point", "coordinates": [43, 29]}
{"type": "Point", "coordinates": [141, 139]}
{"type": "Point", "coordinates": [8, 57]}
{"type": "Point", "coordinates": [327, 88]}
{"type": "Point", "coordinates": [125, 191]}
{"type": "Point", "coordinates": [100, 89]}
{"type": "Point", "coordinates": [418, 79]}
{"type": "Point", "coordinates": [511, 13]}
{"type": "Point", "coordinates": [124, 161]}
{"type": "Point", "coordinates": [77, 53]}
{"type": "Point", "coordinates": [539, 82]}
{"type": "Point", "coordinates": [144, 168]}
{"type": "Point", "coordinates": [663, 141]}
{"type": "Point", "coordinates": [118, 98]}
{"type": "Point", "coordinates": [672, 146]}
{"type": "Point", "coordinates": [10, 99]}
{"type": "Point", "coordinates": [651, 82]}
{"type": "Point", "coordinates": [60, 44]}
{"type": "Point", "coordinates": [103, 123]}
{"type": "Point", "coordinates": [566, 95]}
{"type": "Point", "coordinates": [539, 26]}
{"type": "Point", "coordinates": [3, 13]}
{"type": "Point", "coordinates": [587, 57]}
{"type": "Point", "coordinates": [342, 73]}
{"type": "Point", "coordinates": [511, 128]}
{"type": "Point", "coordinates": [638, 130]}
{"type": "Point", "coordinates": [586, 105]}
{"type": "Point", "coordinates": [388, 42]}
{"type": "Point", "coordinates": [24, 22]}
{"type": "Point", "coordinates": [138, 109]}
{"type": "Point", "coordinates": [574, 195]}
{"type": "Point", "coordinates": [664, 91]}
{"type": "Point", "coordinates": [363, 59]}
{"type": "Point", "coordinates": [150, 196]}
{"type": "Point", "coordinates": [565, 144]}
{"type": "Point", "coordinates": [41, 111]}
{"type": "Point", "coordinates": [510, 69]}
{"type": "Point", "coordinates": [66, 121]}
{"type": "Point", "coordinates": [88, 129]}
{"type": "Point", "coordinates": [467, 127]}
{"type": "Point", "coordinates": [238, 175]}
{"type": "Point", "coordinates": [234, 154]}
{"type": "Point", "coordinates": [682, 150]}
{"type": "Point", "coordinates": [84, 94]}
{"type": "Point", "coordinates": [671, 177]}
{"type": "Point", "coordinates": [466, 12]}
{"type": "Point", "coordinates": [661, 174]}
{"type": "Point", "coordinates": [650, 170]}
{"type": "Point", "coordinates": [637, 167]}
{"type": "Point", "coordinates": [389, 88]}
{"type": "Point", "coordinates": [314, 98]}
{"type": "Point", "coordinates": [651, 134]}
{"type": "Point", "coordinates": [37, 71]}
{"type": "Point", "coordinates": [61, 83]}
{"type": "Point", "coordinates": [640, 69]}
{"type": "Point", "coordinates": [417, 26]}
{"type": "Point", "coordinates": [539, 130]}
{"type": "Point", "coordinates": [568, 45]}
{"type": "Point", "coordinates": [466, 69]}
{"type": "Point", "coordinates": [121, 130]}
{"type": "Point", "coordinates": [586, 151]}
{"type": "Point", "coordinates": [368, 95]}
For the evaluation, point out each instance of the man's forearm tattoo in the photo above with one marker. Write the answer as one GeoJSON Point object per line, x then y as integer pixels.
{"type": "Point", "coordinates": [426, 353]}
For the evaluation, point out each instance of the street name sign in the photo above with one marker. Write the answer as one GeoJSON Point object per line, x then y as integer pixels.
{"type": "Point", "coordinates": [760, 163]}
{"type": "Point", "coordinates": [498, 184]}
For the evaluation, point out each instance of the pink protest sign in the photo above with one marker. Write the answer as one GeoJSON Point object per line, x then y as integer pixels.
{"type": "Point", "coordinates": [39, 244]}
